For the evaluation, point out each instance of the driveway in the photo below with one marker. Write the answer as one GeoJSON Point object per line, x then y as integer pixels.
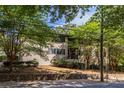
{"type": "Point", "coordinates": [63, 84]}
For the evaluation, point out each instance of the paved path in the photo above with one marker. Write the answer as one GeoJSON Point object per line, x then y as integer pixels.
{"type": "Point", "coordinates": [62, 84]}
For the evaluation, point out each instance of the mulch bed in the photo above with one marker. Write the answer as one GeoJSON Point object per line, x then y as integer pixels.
{"type": "Point", "coordinates": [43, 73]}
{"type": "Point", "coordinates": [47, 73]}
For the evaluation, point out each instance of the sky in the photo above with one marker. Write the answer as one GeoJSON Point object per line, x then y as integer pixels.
{"type": "Point", "coordinates": [77, 20]}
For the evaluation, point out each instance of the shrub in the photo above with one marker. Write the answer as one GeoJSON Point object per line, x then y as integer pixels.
{"type": "Point", "coordinates": [61, 63]}
{"type": "Point", "coordinates": [120, 68]}
{"type": "Point", "coordinates": [68, 64]}
{"type": "Point", "coordinates": [2, 58]}
{"type": "Point", "coordinates": [21, 64]}
{"type": "Point", "coordinates": [95, 66]}
{"type": "Point", "coordinates": [81, 65]}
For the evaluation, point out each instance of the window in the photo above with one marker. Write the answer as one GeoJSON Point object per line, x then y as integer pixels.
{"type": "Point", "coordinates": [58, 51]}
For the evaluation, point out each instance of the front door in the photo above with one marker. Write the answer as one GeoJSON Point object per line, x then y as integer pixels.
{"type": "Point", "coordinates": [73, 53]}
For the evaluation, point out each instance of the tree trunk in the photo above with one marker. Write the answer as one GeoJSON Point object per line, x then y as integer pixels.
{"type": "Point", "coordinates": [87, 62]}
{"type": "Point", "coordinates": [11, 58]}
{"type": "Point", "coordinates": [101, 45]}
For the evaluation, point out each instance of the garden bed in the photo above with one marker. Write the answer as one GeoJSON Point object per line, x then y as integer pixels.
{"type": "Point", "coordinates": [52, 73]}
{"type": "Point", "coordinates": [44, 73]}
{"type": "Point", "coordinates": [44, 76]}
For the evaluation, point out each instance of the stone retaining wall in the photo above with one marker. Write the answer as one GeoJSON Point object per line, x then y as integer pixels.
{"type": "Point", "coordinates": [46, 76]}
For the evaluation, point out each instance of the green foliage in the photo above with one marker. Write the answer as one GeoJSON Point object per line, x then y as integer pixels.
{"type": "Point", "coordinates": [69, 12]}
{"type": "Point", "coordinates": [113, 18]}
{"type": "Point", "coordinates": [2, 58]}
{"type": "Point", "coordinates": [86, 33]}
{"type": "Point", "coordinates": [89, 33]}
{"type": "Point", "coordinates": [23, 30]}
{"type": "Point", "coordinates": [21, 64]}
{"type": "Point", "coordinates": [69, 64]}
{"type": "Point", "coordinates": [121, 61]}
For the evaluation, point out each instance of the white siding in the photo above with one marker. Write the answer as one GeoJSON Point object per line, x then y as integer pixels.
{"type": "Point", "coordinates": [50, 56]}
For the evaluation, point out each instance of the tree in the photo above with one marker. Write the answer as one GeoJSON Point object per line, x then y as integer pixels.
{"type": "Point", "coordinates": [87, 36]}
{"type": "Point", "coordinates": [21, 29]}
{"type": "Point", "coordinates": [110, 18]}
{"type": "Point", "coordinates": [68, 12]}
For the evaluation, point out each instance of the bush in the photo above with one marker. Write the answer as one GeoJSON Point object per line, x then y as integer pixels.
{"type": "Point", "coordinates": [68, 64]}
{"type": "Point", "coordinates": [2, 58]}
{"type": "Point", "coordinates": [21, 64]}
{"type": "Point", "coordinates": [95, 67]}
{"type": "Point", "coordinates": [60, 63]}
{"type": "Point", "coordinates": [120, 68]}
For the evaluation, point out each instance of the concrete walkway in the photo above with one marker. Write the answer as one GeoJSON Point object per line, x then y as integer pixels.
{"type": "Point", "coordinates": [62, 84]}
